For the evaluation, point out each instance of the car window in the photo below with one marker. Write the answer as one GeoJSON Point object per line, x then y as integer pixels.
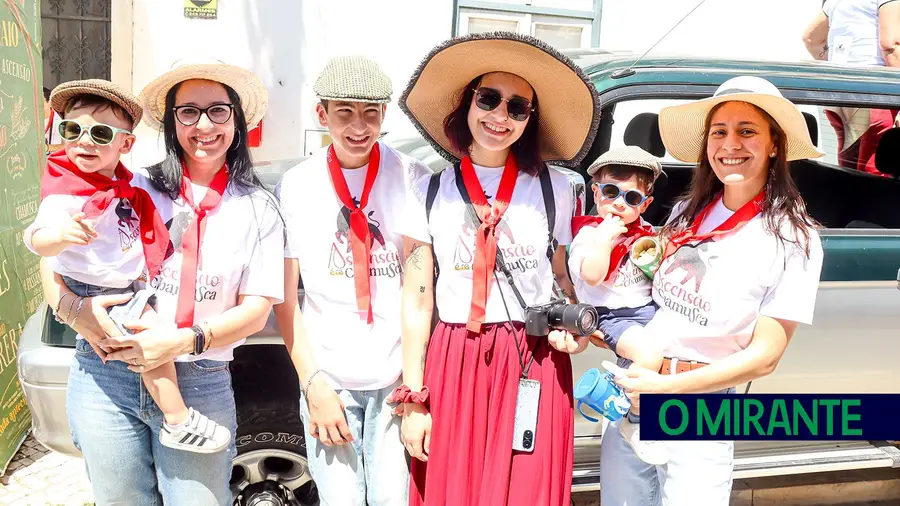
{"type": "Point", "coordinates": [844, 190]}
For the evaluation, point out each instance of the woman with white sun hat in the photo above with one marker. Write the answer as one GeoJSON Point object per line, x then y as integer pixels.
{"type": "Point", "coordinates": [740, 273]}
{"type": "Point", "coordinates": [221, 275]}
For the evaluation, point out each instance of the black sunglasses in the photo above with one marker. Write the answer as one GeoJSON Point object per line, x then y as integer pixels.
{"type": "Point", "coordinates": [189, 115]}
{"type": "Point", "coordinates": [488, 99]}
{"type": "Point", "coordinates": [609, 191]}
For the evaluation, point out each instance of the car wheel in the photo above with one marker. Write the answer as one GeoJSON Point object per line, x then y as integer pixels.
{"type": "Point", "coordinates": [271, 467]}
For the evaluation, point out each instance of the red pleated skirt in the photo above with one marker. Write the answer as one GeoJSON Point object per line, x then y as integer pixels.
{"type": "Point", "coordinates": [473, 380]}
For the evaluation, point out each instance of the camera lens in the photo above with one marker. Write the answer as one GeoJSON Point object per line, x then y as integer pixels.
{"type": "Point", "coordinates": [579, 319]}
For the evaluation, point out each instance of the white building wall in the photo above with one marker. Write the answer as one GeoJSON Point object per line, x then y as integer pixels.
{"type": "Point", "coordinates": [286, 43]}
{"type": "Point", "coordinates": [759, 29]}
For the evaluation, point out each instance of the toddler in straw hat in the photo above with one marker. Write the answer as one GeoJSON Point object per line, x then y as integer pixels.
{"type": "Point", "coordinates": [103, 236]}
{"type": "Point", "coordinates": [611, 259]}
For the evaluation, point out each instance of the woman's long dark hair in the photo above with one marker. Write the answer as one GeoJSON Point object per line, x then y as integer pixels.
{"type": "Point", "coordinates": [782, 202]}
{"type": "Point", "coordinates": [166, 175]}
{"type": "Point", "coordinates": [527, 149]}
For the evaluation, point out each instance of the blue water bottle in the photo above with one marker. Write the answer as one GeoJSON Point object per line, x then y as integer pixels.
{"type": "Point", "coordinates": [600, 392]}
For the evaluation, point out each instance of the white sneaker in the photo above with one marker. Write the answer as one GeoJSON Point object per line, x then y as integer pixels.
{"type": "Point", "coordinates": [651, 452]}
{"type": "Point", "coordinates": [197, 434]}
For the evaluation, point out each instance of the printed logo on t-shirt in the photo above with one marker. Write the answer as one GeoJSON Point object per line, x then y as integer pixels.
{"type": "Point", "coordinates": [169, 280]}
{"type": "Point", "coordinates": [683, 295]}
{"type": "Point", "coordinates": [629, 275]}
{"type": "Point", "coordinates": [128, 223]}
{"type": "Point", "coordinates": [382, 262]}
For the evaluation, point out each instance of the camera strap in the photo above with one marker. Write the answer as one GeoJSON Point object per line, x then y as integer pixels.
{"type": "Point", "coordinates": [501, 263]}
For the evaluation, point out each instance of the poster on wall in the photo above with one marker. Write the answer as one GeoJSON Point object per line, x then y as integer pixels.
{"type": "Point", "coordinates": [21, 158]}
{"type": "Point", "coordinates": [202, 9]}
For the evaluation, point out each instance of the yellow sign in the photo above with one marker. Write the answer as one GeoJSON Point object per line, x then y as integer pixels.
{"type": "Point", "coordinates": [202, 9]}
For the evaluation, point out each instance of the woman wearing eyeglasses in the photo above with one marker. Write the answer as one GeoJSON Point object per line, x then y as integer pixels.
{"type": "Point", "coordinates": [501, 107]}
{"type": "Point", "coordinates": [221, 271]}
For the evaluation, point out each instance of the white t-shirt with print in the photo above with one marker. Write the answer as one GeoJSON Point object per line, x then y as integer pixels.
{"type": "Point", "coordinates": [628, 286]}
{"type": "Point", "coordinates": [853, 33]}
{"type": "Point", "coordinates": [354, 354]}
{"type": "Point", "coordinates": [241, 254]}
{"type": "Point", "coordinates": [711, 294]}
{"type": "Point", "coordinates": [521, 237]}
{"type": "Point", "coordinates": [114, 259]}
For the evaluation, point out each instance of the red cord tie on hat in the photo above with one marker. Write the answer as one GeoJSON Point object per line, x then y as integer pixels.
{"type": "Point", "coordinates": [404, 395]}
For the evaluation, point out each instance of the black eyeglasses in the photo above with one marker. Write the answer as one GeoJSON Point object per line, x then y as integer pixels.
{"type": "Point", "coordinates": [101, 135]}
{"type": "Point", "coordinates": [488, 99]}
{"type": "Point", "coordinates": [609, 191]}
{"type": "Point", "coordinates": [189, 115]}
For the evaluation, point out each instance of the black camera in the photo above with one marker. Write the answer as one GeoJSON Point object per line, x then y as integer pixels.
{"type": "Point", "coordinates": [579, 319]}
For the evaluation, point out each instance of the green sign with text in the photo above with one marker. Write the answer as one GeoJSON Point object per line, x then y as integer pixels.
{"type": "Point", "coordinates": [21, 158]}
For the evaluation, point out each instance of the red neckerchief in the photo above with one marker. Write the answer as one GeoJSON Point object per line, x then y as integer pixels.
{"type": "Point", "coordinates": [360, 239]}
{"type": "Point", "coordinates": [485, 236]}
{"type": "Point", "coordinates": [192, 239]}
{"type": "Point", "coordinates": [62, 177]}
{"type": "Point", "coordinates": [737, 220]}
{"type": "Point", "coordinates": [619, 251]}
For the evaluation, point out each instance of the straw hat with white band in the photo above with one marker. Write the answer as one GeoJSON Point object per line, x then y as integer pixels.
{"type": "Point", "coordinates": [254, 97]}
{"type": "Point", "coordinates": [568, 101]}
{"type": "Point", "coordinates": [682, 127]}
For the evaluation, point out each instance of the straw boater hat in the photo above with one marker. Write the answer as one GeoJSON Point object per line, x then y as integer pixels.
{"type": "Point", "coordinates": [627, 155]}
{"type": "Point", "coordinates": [353, 79]}
{"type": "Point", "coordinates": [569, 103]}
{"type": "Point", "coordinates": [682, 127]}
{"type": "Point", "coordinates": [62, 94]}
{"type": "Point", "coordinates": [254, 97]}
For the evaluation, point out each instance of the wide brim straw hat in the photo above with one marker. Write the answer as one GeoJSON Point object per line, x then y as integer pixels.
{"type": "Point", "coordinates": [683, 127]}
{"type": "Point", "coordinates": [569, 103]}
{"type": "Point", "coordinates": [254, 97]}
{"type": "Point", "coordinates": [62, 94]}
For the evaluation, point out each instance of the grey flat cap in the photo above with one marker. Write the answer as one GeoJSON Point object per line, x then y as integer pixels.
{"type": "Point", "coordinates": [627, 155]}
{"type": "Point", "coordinates": [353, 79]}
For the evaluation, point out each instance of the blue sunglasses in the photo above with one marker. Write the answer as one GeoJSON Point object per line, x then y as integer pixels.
{"type": "Point", "coordinates": [609, 191]}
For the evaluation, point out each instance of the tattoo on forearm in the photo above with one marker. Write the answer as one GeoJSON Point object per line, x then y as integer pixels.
{"type": "Point", "coordinates": [421, 289]}
{"type": "Point", "coordinates": [415, 257]}
{"type": "Point", "coordinates": [424, 354]}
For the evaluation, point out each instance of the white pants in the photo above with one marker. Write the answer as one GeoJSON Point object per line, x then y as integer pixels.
{"type": "Point", "coordinates": [699, 473]}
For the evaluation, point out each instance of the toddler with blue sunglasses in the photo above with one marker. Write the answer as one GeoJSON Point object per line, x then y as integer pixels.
{"type": "Point", "coordinates": [605, 276]}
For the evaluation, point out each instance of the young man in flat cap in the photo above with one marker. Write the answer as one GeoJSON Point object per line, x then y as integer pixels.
{"type": "Point", "coordinates": [344, 212]}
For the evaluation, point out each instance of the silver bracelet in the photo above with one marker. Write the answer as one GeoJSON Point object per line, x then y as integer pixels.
{"type": "Point", "coordinates": [69, 312]}
{"type": "Point", "coordinates": [309, 381]}
{"type": "Point", "coordinates": [77, 311]}
{"type": "Point", "coordinates": [59, 305]}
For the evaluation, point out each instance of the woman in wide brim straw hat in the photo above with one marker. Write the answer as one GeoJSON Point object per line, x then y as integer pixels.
{"type": "Point", "coordinates": [207, 193]}
{"type": "Point", "coordinates": [740, 274]}
{"type": "Point", "coordinates": [501, 106]}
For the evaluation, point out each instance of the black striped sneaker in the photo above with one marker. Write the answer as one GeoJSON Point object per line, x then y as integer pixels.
{"type": "Point", "coordinates": [199, 435]}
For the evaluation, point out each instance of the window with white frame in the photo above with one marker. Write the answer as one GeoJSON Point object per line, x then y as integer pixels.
{"type": "Point", "coordinates": [571, 27]}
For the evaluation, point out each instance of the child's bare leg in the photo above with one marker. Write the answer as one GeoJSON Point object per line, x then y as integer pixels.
{"type": "Point", "coordinates": [162, 384]}
{"type": "Point", "coordinates": [637, 346]}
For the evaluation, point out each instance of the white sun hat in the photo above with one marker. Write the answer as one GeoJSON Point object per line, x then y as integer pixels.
{"type": "Point", "coordinates": [682, 127]}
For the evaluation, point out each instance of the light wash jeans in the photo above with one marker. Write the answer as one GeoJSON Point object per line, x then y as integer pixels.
{"type": "Point", "coordinates": [116, 424]}
{"type": "Point", "coordinates": [374, 469]}
{"type": "Point", "coordinates": [699, 473]}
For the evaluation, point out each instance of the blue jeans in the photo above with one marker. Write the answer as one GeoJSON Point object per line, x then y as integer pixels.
{"type": "Point", "coordinates": [116, 424]}
{"type": "Point", "coordinates": [122, 313]}
{"type": "Point", "coordinates": [372, 470]}
{"type": "Point", "coordinates": [698, 473]}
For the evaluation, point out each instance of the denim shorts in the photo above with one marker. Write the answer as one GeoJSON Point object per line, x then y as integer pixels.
{"type": "Point", "coordinates": [614, 322]}
{"type": "Point", "coordinates": [122, 313]}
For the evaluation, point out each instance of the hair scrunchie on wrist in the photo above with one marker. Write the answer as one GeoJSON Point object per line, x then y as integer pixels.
{"type": "Point", "coordinates": [404, 395]}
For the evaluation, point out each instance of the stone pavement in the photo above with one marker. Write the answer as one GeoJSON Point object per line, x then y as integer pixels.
{"type": "Point", "coordinates": [38, 477]}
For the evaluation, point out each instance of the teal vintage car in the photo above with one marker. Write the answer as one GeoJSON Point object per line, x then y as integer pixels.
{"type": "Point", "coordinates": [853, 345]}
